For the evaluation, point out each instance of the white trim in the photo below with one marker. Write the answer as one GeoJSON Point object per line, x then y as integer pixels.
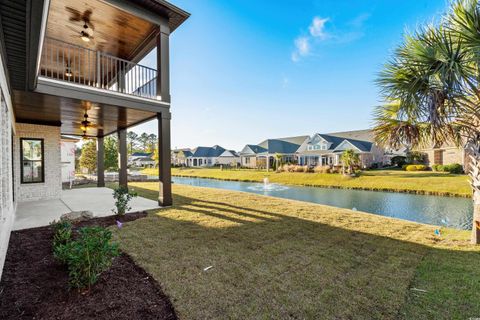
{"type": "Point", "coordinates": [345, 140]}
{"type": "Point", "coordinates": [94, 89]}
{"type": "Point", "coordinates": [43, 27]}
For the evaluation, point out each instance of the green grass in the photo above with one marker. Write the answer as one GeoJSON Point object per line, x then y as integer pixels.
{"type": "Point", "coordinates": [381, 180]}
{"type": "Point", "coordinates": [279, 259]}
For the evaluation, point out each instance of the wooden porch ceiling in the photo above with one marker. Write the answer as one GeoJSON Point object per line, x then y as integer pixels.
{"type": "Point", "coordinates": [115, 31]}
{"type": "Point", "coordinates": [40, 108]}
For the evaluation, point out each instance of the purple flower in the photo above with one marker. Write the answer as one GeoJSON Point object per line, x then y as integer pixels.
{"type": "Point", "coordinates": [119, 224]}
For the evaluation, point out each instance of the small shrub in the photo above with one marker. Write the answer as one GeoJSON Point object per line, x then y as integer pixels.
{"type": "Point", "coordinates": [299, 169]}
{"type": "Point", "coordinates": [307, 169]}
{"type": "Point", "coordinates": [454, 168]}
{"type": "Point", "coordinates": [322, 169]}
{"type": "Point", "coordinates": [122, 198]}
{"type": "Point", "coordinates": [62, 235]}
{"type": "Point", "coordinates": [437, 168]}
{"type": "Point", "coordinates": [416, 167]}
{"type": "Point", "coordinates": [88, 256]}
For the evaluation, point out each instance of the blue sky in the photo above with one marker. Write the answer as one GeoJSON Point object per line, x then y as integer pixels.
{"type": "Point", "coordinates": [243, 71]}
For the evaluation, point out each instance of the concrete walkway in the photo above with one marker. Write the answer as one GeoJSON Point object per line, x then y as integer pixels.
{"type": "Point", "coordinates": [99, 201]}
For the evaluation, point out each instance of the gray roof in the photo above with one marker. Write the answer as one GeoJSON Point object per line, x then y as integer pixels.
{"type": "Point", "coordinates": [256, 149]}
{"type": "Point", "coordinates": [187, 153]}
{"type": "Point", "coordinates": [207, 152]}
{"type": "Point", "coordinates": [335, 140]}
{"type": "Point", "coordinates": [141, 154]}
{"type": "Point", "coordinates": [287, 145]}
{"type": "Point", "coordinates": [361, 135]}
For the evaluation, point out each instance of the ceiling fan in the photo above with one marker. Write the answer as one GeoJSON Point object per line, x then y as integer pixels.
{"type": "Point", "coordinates": [86, 124]}
{"type": "Point", "coordinates": [87, 30]}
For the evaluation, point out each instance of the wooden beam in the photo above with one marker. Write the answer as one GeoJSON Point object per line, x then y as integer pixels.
{"type": "Point", "coordinates": [122, 158]}
{"type": "Point", "coordinates": [164, 162]}
{"type": "Point", "coordinates": [100, 163]}
{"type": "Point", "coordinates": [95, 95]}
{"type": "Point", "coordinates": [163, 64]}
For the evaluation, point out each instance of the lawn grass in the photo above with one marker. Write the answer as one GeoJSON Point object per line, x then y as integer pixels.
{"type": "Point", "coordinates": [437, 183]}
{"type": "Point", "coordinates": [279, 259]}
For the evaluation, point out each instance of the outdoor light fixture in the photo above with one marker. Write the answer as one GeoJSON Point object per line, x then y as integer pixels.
{"type": "Point", "coordinates": [68, 72]}
{"type": "Point", "coordinates": [84, 36]}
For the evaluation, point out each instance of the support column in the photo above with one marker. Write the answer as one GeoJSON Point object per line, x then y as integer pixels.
{"type": "Point", "coordinates": [122, 158]}
{"type": "Point", "coordinates": [100, 163]}
{"type": "Point", "coordinates": [163, 63]}
{"type": "Point", "coordinates": [164, 161]}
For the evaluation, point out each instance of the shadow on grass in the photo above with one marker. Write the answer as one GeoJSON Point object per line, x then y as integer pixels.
{"type": "Point", "coordinates": [267, 263]}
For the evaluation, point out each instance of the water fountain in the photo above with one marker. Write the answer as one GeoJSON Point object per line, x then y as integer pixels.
{"type": "Point", "coordinates": [267, 186]}
{"type": "Point", "coordinates": [266, 183]}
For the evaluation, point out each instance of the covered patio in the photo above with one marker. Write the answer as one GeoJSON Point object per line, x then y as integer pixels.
{"type": "Point", "coordinates": [99, 201]}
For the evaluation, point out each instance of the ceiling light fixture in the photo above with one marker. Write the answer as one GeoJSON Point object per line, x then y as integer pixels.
{"type": "Point", "coordinates": [68, 72]}
{"type": "Point", "coordinates": [84, 36]}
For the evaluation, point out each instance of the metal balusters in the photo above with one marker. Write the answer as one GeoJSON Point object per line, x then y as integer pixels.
{"type": "Point", "coordinates": [83, 66]}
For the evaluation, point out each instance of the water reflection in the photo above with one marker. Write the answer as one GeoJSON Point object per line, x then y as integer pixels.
{"type": "Point", "coordinates": [437, 210]}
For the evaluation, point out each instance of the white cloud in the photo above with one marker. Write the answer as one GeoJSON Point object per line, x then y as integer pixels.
{"type": "Point", "coordinates": [303, 42]}
{"type": "Point", "coordinates": [317, 28]}
{"type": "Point", "coordinates": [317, 33]}
{"type": "Point", "coordinates": [302, 48]}
{"type": "Point", "coordinates": [303, 45]}
{"type": "Point", "coordinates": [360, 20]}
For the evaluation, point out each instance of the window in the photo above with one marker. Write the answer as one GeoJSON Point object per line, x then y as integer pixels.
{"type": "Point", "coordinates": [31, 154]}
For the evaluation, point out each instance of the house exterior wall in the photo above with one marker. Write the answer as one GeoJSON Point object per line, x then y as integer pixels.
{"type": "Point", "coordinates": [68, 160]}
{"type": "Point", "coordinates": [52, 186]}
{"type": "Point", "coordinates": [228, 160]}
{"type": "Point", "coordinates": [450, 155]}
{"type": "Point", "coordinates": [7, 201]}
{"type": "Point", "coordinates": [248, 161]}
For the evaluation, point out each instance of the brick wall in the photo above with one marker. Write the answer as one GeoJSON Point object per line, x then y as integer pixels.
{"type": "Point", "coordinates": [52, 187]}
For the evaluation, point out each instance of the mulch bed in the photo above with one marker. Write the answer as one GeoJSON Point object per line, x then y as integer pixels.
{"type": "Point", "coordinates": [35, 286]}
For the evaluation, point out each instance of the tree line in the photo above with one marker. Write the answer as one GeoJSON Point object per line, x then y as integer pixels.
{"type": "Point", "coordinates": [87, 154]}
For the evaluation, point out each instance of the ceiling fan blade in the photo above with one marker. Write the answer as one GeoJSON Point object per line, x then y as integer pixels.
{"type": "Point", "coordinates": [75, 15]}
{"type": "Point", "coordinates": [86, 15]}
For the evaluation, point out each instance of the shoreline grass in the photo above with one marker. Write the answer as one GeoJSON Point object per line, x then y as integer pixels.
{"type": "Point", "coordinates": [277, 258]}
{"type": "Point", "coordinates": [427, 183]}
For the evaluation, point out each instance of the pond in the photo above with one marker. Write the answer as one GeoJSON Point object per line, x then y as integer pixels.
{"type": "Point", "coordinates": [443, 211]}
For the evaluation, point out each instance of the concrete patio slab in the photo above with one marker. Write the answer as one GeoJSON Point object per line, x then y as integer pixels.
{"type": "Point", "coordinates": [99, 201]}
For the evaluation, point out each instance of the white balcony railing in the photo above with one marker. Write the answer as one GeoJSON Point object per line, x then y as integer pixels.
{"type": "Point", "coordinates": [75, 64]}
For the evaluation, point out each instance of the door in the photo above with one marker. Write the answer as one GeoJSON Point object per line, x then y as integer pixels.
{"type": "Point", "coordinates": [437, 156]}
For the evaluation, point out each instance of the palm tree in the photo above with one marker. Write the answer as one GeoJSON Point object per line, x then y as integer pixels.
{"type": "Point", "coordinates": [431, 91]}
{"type": "Point", "coordinates": [350, 159]}
{"type": "Point", "coordinates": [278, 160]}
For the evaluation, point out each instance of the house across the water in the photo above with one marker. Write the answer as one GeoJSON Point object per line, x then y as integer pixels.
{"type": "Point", "coordinates": [205, 157]}
{"type": "Point", "coordinates": [141, 159]}
{"type": "Point", "coordinates": [262, 155]}
{"type": "Point", "coordinates": [317, 150]}
{"type": "Point", "coordinates": [326, 149]}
